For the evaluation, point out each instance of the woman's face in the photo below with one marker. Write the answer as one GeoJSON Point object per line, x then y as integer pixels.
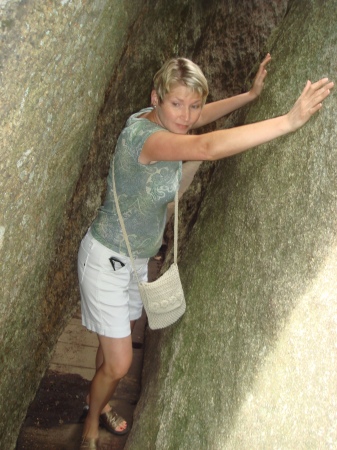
{"type": "Point", "coordinates": [180, 109]}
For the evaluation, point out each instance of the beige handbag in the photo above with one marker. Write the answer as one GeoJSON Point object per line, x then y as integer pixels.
{"type": "Point", "coordinates": [163, 299]}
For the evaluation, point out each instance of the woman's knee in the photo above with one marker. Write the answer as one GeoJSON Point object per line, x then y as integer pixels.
{"type": "Point", "coordinates": [116, 370]}
{"type": "Point", "coordinates": [117, 356]}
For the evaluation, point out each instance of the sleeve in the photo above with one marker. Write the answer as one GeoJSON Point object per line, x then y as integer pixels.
{"type": "Point", "coordinates": [141, 131]}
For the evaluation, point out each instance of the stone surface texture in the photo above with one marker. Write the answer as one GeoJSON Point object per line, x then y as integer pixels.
{"type": "Point", "coordinates": [252, 364]}
{"type": "Point", "coordinates": [57, 59]}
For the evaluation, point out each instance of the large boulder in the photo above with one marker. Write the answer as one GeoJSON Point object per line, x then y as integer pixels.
{"type": "Point", "coordinates": [57, 59]}
{"type": "Point", "coordinates": [252, 364]}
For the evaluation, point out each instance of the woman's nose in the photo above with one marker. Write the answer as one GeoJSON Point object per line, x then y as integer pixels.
{"type": "Point", "coordinates": [186, 114]}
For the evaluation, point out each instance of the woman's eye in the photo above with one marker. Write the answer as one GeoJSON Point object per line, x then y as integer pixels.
{"type": "Point", "coordinates": [175, 104]}
{"type": "Point", "coordinates": [195, 106]}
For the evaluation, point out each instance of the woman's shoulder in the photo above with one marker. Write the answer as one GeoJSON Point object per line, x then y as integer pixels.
{"type": "Point", "coordinates": [139, 125]}
{"type": "Point", "coordinates": [138, 117]}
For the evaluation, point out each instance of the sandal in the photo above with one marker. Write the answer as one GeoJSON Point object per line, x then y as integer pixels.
{"type": "Point", "coordinates": [89, 444]}
{"type": "Point", "coordinates": [111, 420]}
{"type": "Point", "coordinates": [84, 414]}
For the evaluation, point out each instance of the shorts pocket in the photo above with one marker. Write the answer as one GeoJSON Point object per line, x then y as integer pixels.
{"type": "Point", "coordinates": [82, 261]}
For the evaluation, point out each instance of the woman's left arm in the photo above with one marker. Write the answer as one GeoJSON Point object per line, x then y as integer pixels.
{"type": "Point", "coordinates": [216, 110]}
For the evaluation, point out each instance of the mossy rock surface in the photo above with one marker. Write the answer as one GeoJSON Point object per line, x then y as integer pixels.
{"type": "Point", "coordinates": [250, 365]}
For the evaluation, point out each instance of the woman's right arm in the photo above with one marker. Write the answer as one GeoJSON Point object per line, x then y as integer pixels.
{"type": "Point", "coordinates": [166, 146]}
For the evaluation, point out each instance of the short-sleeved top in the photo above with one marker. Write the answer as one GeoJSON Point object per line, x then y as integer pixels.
{"type": "Point", "coordinates": [143, 193]}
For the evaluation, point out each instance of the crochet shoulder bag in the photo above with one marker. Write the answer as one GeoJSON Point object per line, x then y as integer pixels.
{"type": "Point", "coordinates": [163, 299]}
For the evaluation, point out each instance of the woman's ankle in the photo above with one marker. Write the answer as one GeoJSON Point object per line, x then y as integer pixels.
{"type": "Point", "coordinates": [106, 408]}
{"type": "Point", "coordinates": [90, 431]}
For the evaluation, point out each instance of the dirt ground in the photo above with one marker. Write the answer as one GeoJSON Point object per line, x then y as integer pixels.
{"type": "Point", "coordinates": [59, 399]}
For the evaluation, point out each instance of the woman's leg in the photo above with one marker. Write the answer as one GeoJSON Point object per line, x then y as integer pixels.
{"type": "Point", "coordinates": [117, 358]}
{"type": "Point", "coordinates": [99, 361]}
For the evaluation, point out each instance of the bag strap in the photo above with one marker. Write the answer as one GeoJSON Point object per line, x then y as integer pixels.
{"type": "Point", "coordinates": [176, 200]}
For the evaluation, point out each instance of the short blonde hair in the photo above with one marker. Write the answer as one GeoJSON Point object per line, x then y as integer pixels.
{"type": "Point", "coordinates": [180, 71]}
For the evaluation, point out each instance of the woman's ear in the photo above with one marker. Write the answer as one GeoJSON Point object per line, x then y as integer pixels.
{"type": "Point", "coordinates": [154, 98]}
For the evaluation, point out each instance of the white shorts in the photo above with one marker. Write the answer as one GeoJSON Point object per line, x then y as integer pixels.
{"type": "Point", "coordinates": [109, 297]}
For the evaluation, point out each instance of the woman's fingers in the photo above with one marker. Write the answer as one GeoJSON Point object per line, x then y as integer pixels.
{"type": "Point", "coordinates": [317, 92]}
{"type": "Point", "coordinates": [309, 102]}
{"type": "Point", "coordinates": [320, 83]}
{"type": "Point", "coordinates": [266, 60]}
{"type": "Point", "coordinates": [262, 68]}
{"type": "Point", "coordinates": [324, 91]}
{"type": "Point", "coordinates": [260, 76]}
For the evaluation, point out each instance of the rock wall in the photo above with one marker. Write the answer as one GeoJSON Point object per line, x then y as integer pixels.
{"type": "Point", "coordinates": [57, 59]}
{"type": "Point", "coordinates": [71, 73]}
{"type": "Point", "coordinates": [252, 363]}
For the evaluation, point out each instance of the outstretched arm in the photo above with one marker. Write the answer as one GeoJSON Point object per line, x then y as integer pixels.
{"type": "Point", "coordinates": [166, 146]}
{"type": "Point", "coordinates": [215, 110]}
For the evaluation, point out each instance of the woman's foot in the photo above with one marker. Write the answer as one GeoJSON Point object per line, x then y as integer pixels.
{"type": "Point", "coordinates": [113, 423]}
{"type": "Point", "coordinates": [89, 444]}
{"type": "Point", "coordinates": [109, 420]}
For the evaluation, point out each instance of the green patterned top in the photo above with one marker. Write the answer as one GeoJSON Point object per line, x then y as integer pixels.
{"type": "Point", "coordinates": [143, 193]}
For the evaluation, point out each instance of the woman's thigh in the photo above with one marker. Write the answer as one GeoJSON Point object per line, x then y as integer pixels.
{"type": "Point", "coordinates": [109, 295]}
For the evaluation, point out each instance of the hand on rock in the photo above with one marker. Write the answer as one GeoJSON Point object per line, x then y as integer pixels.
{"type": "Point", "coordinates": [309, 102]}
{"type": "Point", "coordinates": [258, 82]}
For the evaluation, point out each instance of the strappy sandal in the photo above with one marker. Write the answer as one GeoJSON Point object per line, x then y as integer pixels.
{"type": "Point", "coordinates": [89, 444]}
{"type": "Point", "coordinates": [111, 420]}
{"type": "Point", "coordinates": [84, 414]}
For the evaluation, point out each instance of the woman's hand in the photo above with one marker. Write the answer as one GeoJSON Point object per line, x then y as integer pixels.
{"type": "Point", "coordinates": [309, 102]}
{"type": "Point", "coordinates": [215, 110]}
{"type": "Point", "coordinates": [258, 82]}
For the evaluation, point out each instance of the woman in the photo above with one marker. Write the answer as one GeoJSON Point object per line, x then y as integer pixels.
{"type": "Point", "coordinates": [147, 165]}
